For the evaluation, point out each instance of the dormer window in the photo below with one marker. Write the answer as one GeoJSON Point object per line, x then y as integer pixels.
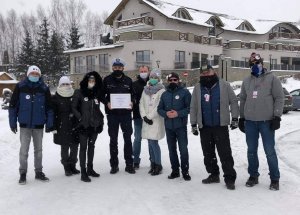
{"type": "Point", "coordinates": [215, 21]}
{"type": "Point", "coordinates": [245, 26]}
{"type": "Point", "coordinates": [281, 29]}
{"type": "Point", "coordinates": [183, 14]}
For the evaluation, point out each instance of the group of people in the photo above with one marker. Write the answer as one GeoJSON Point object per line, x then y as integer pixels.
{"type": "Point", "coordinates": [75, 118]}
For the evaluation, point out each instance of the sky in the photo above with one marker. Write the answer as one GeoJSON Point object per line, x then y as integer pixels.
{"type": "Point", "coordinates": [281, 10]}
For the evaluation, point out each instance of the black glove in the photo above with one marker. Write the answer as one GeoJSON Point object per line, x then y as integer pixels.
{"type": "Point", "coordinates": [195, 130]}
{"type": "Point", "coordinates": [14, 130]}
{"type": "Point", "coordinates": [275, 123]}
{"type": "Point", "coordinates": [148, 121]}
{"type": "Point", "coordinates": [242, 124]}
{"type": "Point", "coordinates": [234, 123]}
{"type": "Point", "coordinates": [48, 130]}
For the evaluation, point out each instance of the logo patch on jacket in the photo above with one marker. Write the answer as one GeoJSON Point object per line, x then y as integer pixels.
{"type": "Point", "coordinates": [27, 96]}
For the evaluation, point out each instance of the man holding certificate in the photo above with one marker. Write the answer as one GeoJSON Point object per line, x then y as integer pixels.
{"type": "Point", "coordinates": [118, 106]}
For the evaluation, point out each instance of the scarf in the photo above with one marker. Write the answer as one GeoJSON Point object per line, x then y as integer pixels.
{"type": "Point", "coordinates": [65, 91]}
{"type": "Point", "coordinates": [153, 89]}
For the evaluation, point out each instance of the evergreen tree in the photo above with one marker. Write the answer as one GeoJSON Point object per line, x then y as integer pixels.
{"type": "Point", "coordinates": [26, 56]}
{"type": "Point", "coordinates": [43, 49]}
{"type": "Point", "coordinates": [74, 38]}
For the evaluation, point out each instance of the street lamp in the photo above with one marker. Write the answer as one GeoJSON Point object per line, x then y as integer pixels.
{"type": "Point", "coordinates": [157, 63]}
{"type": "Point", "coordinates": [222, 57]}
{"type": "Point", "coordinates": [270, 62]}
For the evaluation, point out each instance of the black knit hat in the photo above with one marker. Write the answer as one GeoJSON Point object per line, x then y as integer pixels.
{"type": "Point", "coordinates": [173, 75]}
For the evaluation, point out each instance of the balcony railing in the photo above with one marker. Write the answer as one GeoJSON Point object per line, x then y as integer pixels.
{"type": "Point", "coordinates": [179, 65]}
{"type": "Point", "coordinates": [246, 45]}
{"type": "Point", "coordinates": [143, 63]}
{"type": "Point", "coordinates": [195, 64]}
{"type": "Point", "coordinates": [283, 35]}
{"type": "Point", "coordinates": [183, 36]}
{"type": "Point", "coordinates": [245, 64]}
{"type": "Point", "coordinates": [145, 35]}
{"type": "Point", "coordinates": [141, 20]}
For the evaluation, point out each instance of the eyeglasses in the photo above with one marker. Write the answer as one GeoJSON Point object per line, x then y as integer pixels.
{"type": "Point", "coordinates": [173, 80]}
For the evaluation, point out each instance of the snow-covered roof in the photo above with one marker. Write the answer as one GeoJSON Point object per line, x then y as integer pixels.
{"type": "Point", "coordinates": [8, 81]}
{"type": "Point", "coordinates": [93, 48]}
{"type": "Point", "coordinates": [11, 76]}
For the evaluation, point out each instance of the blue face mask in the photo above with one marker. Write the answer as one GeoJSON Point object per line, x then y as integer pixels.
{"type": "Point", "coordinates": [33, 78]}
{"type": "Point", "coordinates": [153, 81]}
{"type": "Point", "coordinates": [257, 69]}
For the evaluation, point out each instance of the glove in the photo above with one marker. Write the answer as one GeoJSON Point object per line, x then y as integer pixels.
{"type": "Point", "coordinates": [195, 130]}
{"type": "Point", "coordinates": [48, 130]}
{"type": "Point", "coordinates": [54, 132]}
{"type": "Point", "coordinates": [275, 123]}
{"type": "Point", "coordinates": [242, 124]}
{"type": "Point", "coordinates": [148, 121]}
{"type": "Point", "coordinates": [234, 123]}
{"type": "Point", "coordinates": [14, 130]}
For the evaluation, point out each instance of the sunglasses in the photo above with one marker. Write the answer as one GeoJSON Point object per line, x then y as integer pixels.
{"type": "Point", "coordinates": [173, 80]}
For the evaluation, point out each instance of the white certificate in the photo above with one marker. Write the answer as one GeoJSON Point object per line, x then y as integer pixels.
{"type": "Point", "coordinates": [120, 101]}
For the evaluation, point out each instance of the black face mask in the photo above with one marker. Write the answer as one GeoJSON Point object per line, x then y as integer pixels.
{"type": "Point", "coordinates": [117, 73]}
{"type": "Point", "coordinates": [209, 81]}
{"type": "Point", "coordinates": [173, 86]}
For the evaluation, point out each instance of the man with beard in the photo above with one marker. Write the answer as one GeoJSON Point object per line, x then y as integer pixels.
{"type": "Point", "coordinates": [212, 101]}
{"type": "Point", "coordinates": [119, 83]}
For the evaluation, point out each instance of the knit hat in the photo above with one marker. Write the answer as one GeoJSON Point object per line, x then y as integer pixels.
{"type": "Point", "coordinates": [206, 68]}
{"type": "Point", "coordinates": [173, 75]}
{"type": "Point", "coordinates": [155, 73]}
{"type": "Point", "coordinates": [118, 62]}
{"type": "Point", "coordinates": [64, 80]}
{"type": "Point", "coordinates": [33, 69]}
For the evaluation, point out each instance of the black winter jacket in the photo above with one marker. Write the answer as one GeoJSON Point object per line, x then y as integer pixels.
{"type": "Point", "coordinates": [138, 88]}
{"type": "Point", "coordinates": [112, 85]}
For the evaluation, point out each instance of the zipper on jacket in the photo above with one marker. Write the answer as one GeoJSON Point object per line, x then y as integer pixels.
{"type": "Point", "coordinates": [32, 101]}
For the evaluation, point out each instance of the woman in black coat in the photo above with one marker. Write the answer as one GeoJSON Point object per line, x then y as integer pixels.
{"type": "Point", "coordinates": [86, 108]}
{"type": "Point", "coordinates": [64, 125]}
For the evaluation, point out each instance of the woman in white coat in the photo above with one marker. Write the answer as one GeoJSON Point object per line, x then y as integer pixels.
{"type": "Point", "coordinates": [153, 128]}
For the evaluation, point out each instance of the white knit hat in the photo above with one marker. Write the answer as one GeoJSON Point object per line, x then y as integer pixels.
{"type": "Point", "coordinates": [33, 69]}
{"type": "Point", "coordinates": [64, 80]}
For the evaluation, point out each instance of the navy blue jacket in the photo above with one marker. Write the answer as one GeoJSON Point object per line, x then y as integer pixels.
{"type": "Point", "coordinates": [178, 100]}
{"type": "Point", "coordinates": [31, 105]}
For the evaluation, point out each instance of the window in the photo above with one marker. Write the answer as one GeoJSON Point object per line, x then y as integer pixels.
{"type": "Point", "coordinates": [195, 60]}
{"type": "Point", "coordinates": [182, 13]}
{"type": "Point", "coordinates": [90, 63]}
{"type": "Point", "coordinates": [179, 59]}
{"type": "Point", "coordinates": [78, 64]}
{"type": "Point", "coordinates": [143, 56]}
{"type": "Point", "coordinates": [103, 59]}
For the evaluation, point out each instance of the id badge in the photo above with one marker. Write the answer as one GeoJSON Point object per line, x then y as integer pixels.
{"type": "Point", "coordinates": [96, 101]}
{"type": "Point", "coordinates": [207, 97]}
{"type": "Point", "coordinates": [254, 95]}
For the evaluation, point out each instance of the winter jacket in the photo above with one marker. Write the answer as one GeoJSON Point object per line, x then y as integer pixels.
{"type": "Point", "coordinates": [148, 107]}
{"type": "Point", "coordinates": [178, 100]}
{"type": "Point", "coordinates": [114, 85]}
{"type": "Point", "coordinates": [261, 97]}
{"type": "Point", "coordinates": [31, 105]}
{"type": "Point", "coordinates": [138, 87]}
{"type": "Point", "coordinates": [86, 104]}
{"type": "Point", "coordinates": [228, 103]}
{"type": "Point", "coordinates": [64, 120]}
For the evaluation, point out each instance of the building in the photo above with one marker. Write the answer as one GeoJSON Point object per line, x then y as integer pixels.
{"type": "Point", "coordinates": [7, 81]}
{"type": "Point", "coordinates": [172, 37]}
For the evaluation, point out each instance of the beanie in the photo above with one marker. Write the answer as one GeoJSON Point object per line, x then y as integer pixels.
{"type": "Point", "coordinates": [33, 69]}
{"type": "Point", "coordinates": [64, 80]}
{"type": "Point", "coordinates": [173, 75]}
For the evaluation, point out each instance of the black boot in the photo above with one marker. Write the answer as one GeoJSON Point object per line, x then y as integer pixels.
{"type": "Point", "coordinates": [91, 171]}
{"type": "Point", "coordinates": [41, 176]}
{"type": "Point", "coordinates": [252, 181]}
{"type": "Point", "coordinates": [68, 171]}
{"type": "Point", "coordinates": [151, 168]}
{"type": "Point", "coordinates": [22, 180]}
{"type": "Point", "coordinates": [84, 176]}
{"type": "Point", "coordinates": [73, 169]}
{"type": "Point", "coordinates": [157, 169]}
{"type": "Point", "coordinates": [211, 179]}
{"type": "Point", "coordinates": [274, 185]}
{"type": "Point", "coordinates": [174, 174]}
{"type": "Point", "coordinates": [129, 169]}
{"type": "Point", "coordinates": [114, 169]}
{"type": "Point", "coordinates": [186, 176]}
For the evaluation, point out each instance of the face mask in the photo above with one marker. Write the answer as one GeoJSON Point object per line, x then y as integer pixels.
{"type": "Point", "coordinates": [208, 81]}
{"type": "Point", "coordinates": [91, 85]}
{"type": "Point", "coordinates": [173, 85]}
{"type": "Point", "coordinates": [144, 75]}
{"type": "Point", "coordinates": [33, 78]}
{"type": "Point", "coordinates": [256, 69]}
{"type": "Point", "coordinates": [153, 81]}
{"type": "Point", "coordinates": [117, 73]}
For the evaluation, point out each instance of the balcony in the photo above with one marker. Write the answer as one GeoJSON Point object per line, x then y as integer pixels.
{"type": "Point", "coordinates": [286, 36]}
{"type": "Point", "coordinates": [146, 20]}
{"type": "Point", "coordinates": [195, 64]}
{"type": "Point", "coordinates": [179, 65]}
{"type": "Point", "coordinates": [143, 63]}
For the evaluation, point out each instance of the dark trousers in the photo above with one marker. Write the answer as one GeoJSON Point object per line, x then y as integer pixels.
{"type": "Point", "coordinates": [212, 137]}
{"type": "Point", "coordinates": [125, 121]}
{"type": "Point", "coordinates": [180, 135]}
{"type": "Point", "coordinates": [68, 153]}
{"type": "Point", "coordinates": [87, 140]}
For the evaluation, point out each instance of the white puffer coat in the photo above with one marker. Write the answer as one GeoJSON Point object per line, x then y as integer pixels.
{"type": "Point", "coordinates": [148, 108]}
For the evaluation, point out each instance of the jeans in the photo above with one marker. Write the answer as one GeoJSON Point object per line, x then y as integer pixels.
{"type": "Point", "coordinates": [138, 123]}
{"type": "Point", "coordinates": [154, 151]}
{"type": "Point", "coordinates": [180, 135]}
{"type": "Point", "coordinates": [25, 138]}
{"type": "Point", "coordinates": [252, 130]}
{"type": "Point", "coordinates": [114, 121]}
{"type": "Point", "coordinates": [87, 140]}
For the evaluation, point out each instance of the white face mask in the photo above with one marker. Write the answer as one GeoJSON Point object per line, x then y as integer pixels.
{"type": "Point", "coordinates": [144, 75]}
{"type": "Point", "coordinates": [91, 85]}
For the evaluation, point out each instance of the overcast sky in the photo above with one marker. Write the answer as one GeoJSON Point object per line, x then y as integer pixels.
{"type": "Point", "coordinates": [282, 10]}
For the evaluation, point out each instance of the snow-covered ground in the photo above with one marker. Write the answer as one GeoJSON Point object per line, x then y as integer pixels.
{"type": "Point", "coordinates": [145, 194]}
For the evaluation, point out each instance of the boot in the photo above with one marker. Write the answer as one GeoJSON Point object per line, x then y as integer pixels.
{"type": "Point", "coordinates": [84, 176]}
{"type": "Point", "coordinates": [151, 168]}
{"type": "Point", "coordinates": [186, 176]}
{"type": "Point", "coordinates": [41, 176]}
{"type": "Point", "coordinates": [91, 171]}
{"type": "Point", "coordinates": [174, 174]}
{"type": "Point", "coordinates": [252, 181]}
{"type": "Point", "coordinates": [130, 169]}
{"type": "Point", "coordinates": [68, 171]}
{"type": "Point", "coordinates": [73, 169]}
{"type": "Point", "coordinates": [114, 169]}
{"type": "Point", "coordinates": [274, 185]}
{"type": "Point", "coordinates": [157, 169]}
{"type": "Point", "coordinates": [230, 185]}
{"type": "Point", "coordinates": [211, 179]}
{"type": "Point", "coordinates": [22, 180]}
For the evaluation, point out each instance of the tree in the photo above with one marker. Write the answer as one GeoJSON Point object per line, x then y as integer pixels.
{"type": "Point", "coordinates": [26, 56]}
{"type": "Point", "coordinates": [74, 38]}
{"type": "Point", "coordinates": [5, 59]}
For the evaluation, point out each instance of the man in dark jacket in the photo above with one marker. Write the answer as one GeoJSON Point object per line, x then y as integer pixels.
{"type": "Point", "coordinates": [30, 105]}
{"type": "Point", "coordinates": [138, 87]}
{"type": "Point", "coordinates": [86, 108]}
{"type": "Point", "coordinates": [174, 107]}
{"type": "Point", "coordinates": [115, 84]}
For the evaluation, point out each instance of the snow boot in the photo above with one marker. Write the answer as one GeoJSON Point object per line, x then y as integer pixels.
{"type": "Point", "coordinates": [73, 169]}
{"type": "Point", "coordinates": [136, 165]}
{"type": "Point", "coordinates": [151, 168]}
{"type": "Point", "coordinates": [22, 180]}
{"type": "Point", "coordinates": [68, 171]}
{"type": "Point", "coordinates": [174, 174]}
{"type": "Point", "coordinates": [274, 185]}
{"type": "Point", "coordinates": [211, 179]}
{"type": "Point", "coordinates": [130, 169]}
{"type": "Point", "coordinates": [252, 181]}
{"type": "Point", "coordinates": [114, 169]}
{"type": "Point", "coordinates": [186, 176]}
{"type": "Point", "coordinates": [41, 176]}
{"type": "Point", "coordinates": [91, 171]}
{"type": "Point", "coordinates": [157, 169]}
{"type": "Point", "coordinates": [230, 185]}
{"type": "Point", "coordinates": [84, 176]}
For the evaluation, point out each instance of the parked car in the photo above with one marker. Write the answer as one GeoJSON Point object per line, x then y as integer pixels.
{"type": "Point", "coordinates": [296, 99]}
{"type": "Point", "coordinates": [288, 101]}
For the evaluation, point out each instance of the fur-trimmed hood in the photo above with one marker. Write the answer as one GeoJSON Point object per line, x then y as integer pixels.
{"type": "Point", "coordinates": [84, 84]}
